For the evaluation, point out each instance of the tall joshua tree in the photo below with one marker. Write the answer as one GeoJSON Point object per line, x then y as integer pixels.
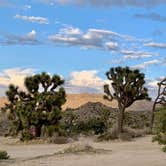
{"type": "Point", "coordinates": [39, 105]}
{"type": "Point", "coordinates": [127, 86]}
{"type": "Point", "coordinates": [160, 99]}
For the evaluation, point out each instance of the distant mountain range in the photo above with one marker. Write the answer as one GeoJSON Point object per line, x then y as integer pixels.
{"type": "Point", "coordinates": [76, 100]}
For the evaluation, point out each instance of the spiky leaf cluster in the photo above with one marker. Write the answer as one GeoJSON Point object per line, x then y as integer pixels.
{"type": "Point", "coordinates": [39, 105]}
{"type": "Point", "coordinates": [161, 96]}
{"type": "Point", "coordinates": [127, 86]}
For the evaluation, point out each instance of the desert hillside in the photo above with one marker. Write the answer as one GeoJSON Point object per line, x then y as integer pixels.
{"type": "Point", "coordinates": [76, 100]}
{"type": "Point", "coordinates": [3, 100]}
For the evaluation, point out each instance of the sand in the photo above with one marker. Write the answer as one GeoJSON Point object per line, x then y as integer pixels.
{"type": "Point", "coordinates": [140, 152]}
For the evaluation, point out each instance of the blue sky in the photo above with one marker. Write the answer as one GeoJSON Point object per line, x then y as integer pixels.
{"type": "Point", "coordinates": [81, 40]}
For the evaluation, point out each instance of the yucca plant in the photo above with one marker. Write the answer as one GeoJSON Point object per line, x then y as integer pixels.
{"type": "Point", "coordinates": [127, 87]}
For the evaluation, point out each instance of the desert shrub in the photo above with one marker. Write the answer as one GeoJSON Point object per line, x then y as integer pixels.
{"type": "Point", "coordinates": [26, 135]}
{"type": "Point", "coordinates": [67, 123]}
{"type": "Point", "coordinates": [125, 136]}
{"type": "Point", "coordinates": [160, 127]}
{"type": "Point", "coordinates": [164, 149]}
{"type": "Point", "coordinates": [137, 119]}
{"type": "Point", "coordinates": [51, 130]}
{"type": "Point", "coordinates": [72, 123]}
{"type": "Point", "coordinates": [110, 134]}
{"type": "Point", "coordinates": [4, 155]}
{"type": "Point", "coordinates": [95, 125]}
{"type": "Point", "coordinates": [79, 148]}
{"type": "Point", "coordinates": [58, 139]}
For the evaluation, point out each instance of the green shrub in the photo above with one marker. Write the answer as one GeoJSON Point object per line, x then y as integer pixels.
{"type": "Point", "coordinates": [26, 135]}
{"type": "Point", "coordinates": [164, 149]}
{"type": "Point", "coordinates": [4, 155]}
{"type": "Point", "coordinates": [73, 124]}
{"type": "Point", "coordinates": [51, 130]}
{"type": "Point", "coordinates": [160, 128]}
{"type": "Point", "coordinates": [110, 134]}
{"type": "Point", "coordinates": [137, 119]}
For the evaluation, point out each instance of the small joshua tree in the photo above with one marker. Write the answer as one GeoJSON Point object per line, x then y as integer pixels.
{"type": "Point", "coordinates": [39, 105]}
{"type": "Point", "coordinates": [160, 99]}
{"type": "Point", "coordinates": [128, 86]}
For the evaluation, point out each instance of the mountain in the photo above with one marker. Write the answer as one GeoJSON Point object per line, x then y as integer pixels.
{"type": "Point", "coordinates": [3, 100]}
{"type": "Point", "coordinates": [77, 100]}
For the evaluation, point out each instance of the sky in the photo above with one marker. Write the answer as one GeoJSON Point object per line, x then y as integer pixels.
{"type": "Point", "coordinates": [80, 40]}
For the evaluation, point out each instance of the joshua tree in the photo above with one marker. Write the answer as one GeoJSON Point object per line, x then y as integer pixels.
{"type": "Point", "coordinates": [39, 105]}
{"type": "Point", "coordinates": [160, 99]}
{"type": "Point", "coordinates": [127, 87]}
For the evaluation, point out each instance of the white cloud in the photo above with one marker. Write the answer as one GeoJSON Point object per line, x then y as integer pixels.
{"type": "Point", "coordinates": [100, 33]}
{"type": "Point", "coordinates": [146, 64]}
{"type": "Point", "coordinates": [27, 39]}
{"type": "Point", "coordinates": [39, 20]}
{"type": "Point", "coordinates": [26, 7]}
{"type": "Point", "coordinates": [92, 38]}
{"type": "Point", "coordinates": [152, 85]}
{"type": "Point", "coordinates": [14, 76]}
{"type": "Point", "coordinates": [156, 45]}
{"type": "Point", "coordinates": [70, 31]}
{"type": "Point", "coordinates": [85, 81]}
{"type": "Point", "coordinates": [31, 35]}
{"type": "Point", "coordinates": [164, 62]}
{"type": "Point", "coordinates": [111, 45]}
{"type": "Point", "coordinates": [137, 54]}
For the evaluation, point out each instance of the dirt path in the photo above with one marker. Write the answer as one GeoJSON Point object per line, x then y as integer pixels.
{"type": "Point", "coordinates": [141, 152]}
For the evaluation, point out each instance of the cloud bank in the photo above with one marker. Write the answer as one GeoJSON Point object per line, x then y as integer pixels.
{"type": "Point", "coordinates": [156, 45]}
{"type": "Point", "coordinates": [92, 38]}
{"type": "Point", "coordinates": [146, 64]}
{"type": "Point", "coordinates": [14, 76]}
{"type": "Point", "coordinates": [85, 81]}
{"type": "Point", "coordinates": [108, 3]}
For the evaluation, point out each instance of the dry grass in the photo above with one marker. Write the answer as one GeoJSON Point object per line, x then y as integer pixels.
{"type": "Point", "coordinates": [80, 148]}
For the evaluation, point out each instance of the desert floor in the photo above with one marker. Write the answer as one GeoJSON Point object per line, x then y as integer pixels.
{"type": "Point", "coordinates": [139, 152]}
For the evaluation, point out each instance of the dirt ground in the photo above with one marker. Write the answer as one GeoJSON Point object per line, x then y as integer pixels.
{"type": "Point", "coordinates": [139, 152]}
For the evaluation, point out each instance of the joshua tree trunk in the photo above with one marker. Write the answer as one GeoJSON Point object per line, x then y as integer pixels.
{"type": "Point", "coordinates": [120, 119]}
{"type": "Point", "coordinates": [152, 117]}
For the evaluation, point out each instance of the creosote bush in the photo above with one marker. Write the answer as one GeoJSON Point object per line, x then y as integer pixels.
{"type": "Point", "coordinates": [73, 124]}
{"type": "Point", "coordinates": [4, 155]}
{"type": "Point", "coordinates": [160, 128]}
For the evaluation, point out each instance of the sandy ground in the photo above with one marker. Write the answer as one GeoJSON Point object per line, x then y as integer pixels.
{"type": "Point", "coordinates": [140, 152]}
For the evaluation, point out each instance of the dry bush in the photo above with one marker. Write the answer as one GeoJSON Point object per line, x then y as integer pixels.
{"type": "Point", "coordinates": [83, 148]}
{"type": "Point", "coordinates": [59, 140]}
{"type": "Point", "coordinates": [4, 155]}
